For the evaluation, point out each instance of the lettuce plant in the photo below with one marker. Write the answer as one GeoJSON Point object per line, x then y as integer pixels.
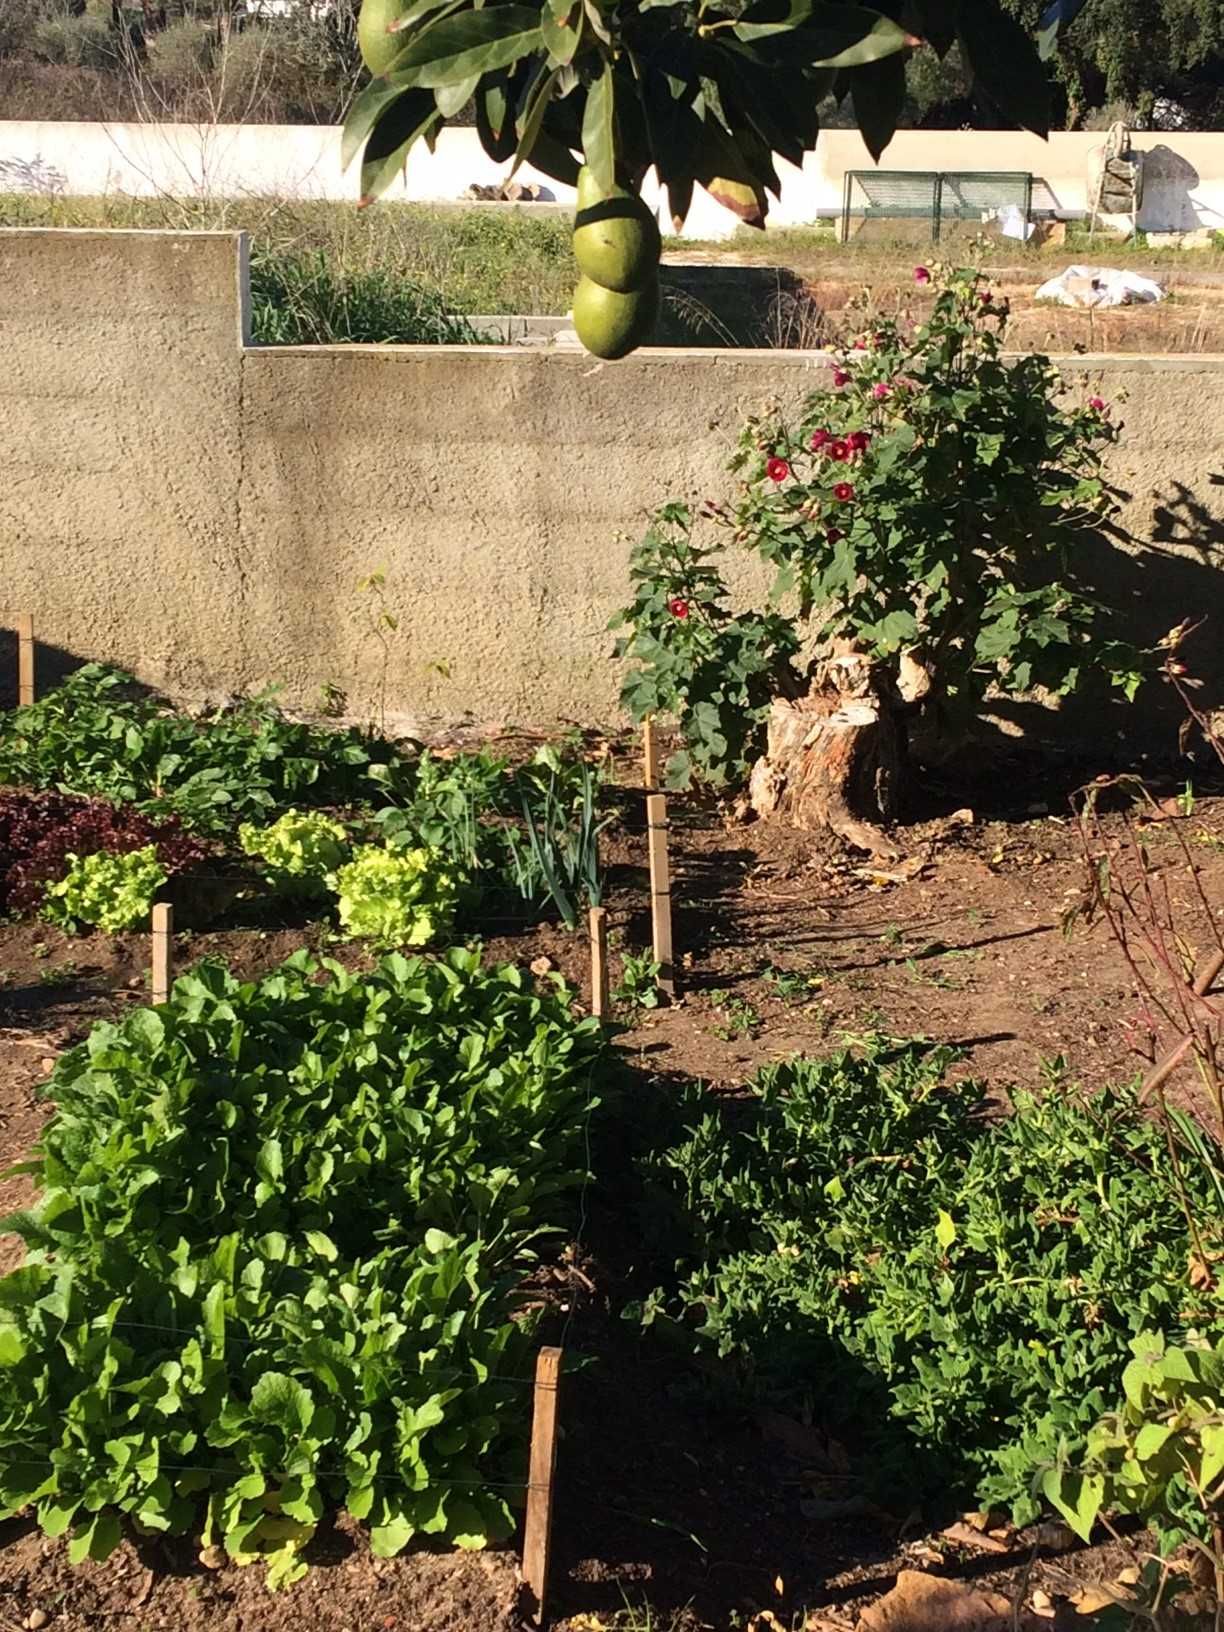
{"type": "Point", "coordinates": [299, 849]}
{"type": "Point", "coordinates": [397, 897]}
{"type": "Point", "coordinates": [108, 892]}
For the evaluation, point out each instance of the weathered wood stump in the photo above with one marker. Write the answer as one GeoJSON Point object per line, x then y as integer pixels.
{"type": "Point", "coordinates": [835, 758]}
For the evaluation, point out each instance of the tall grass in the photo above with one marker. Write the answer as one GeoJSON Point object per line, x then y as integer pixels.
{"type": "Point", "coordinates": [301, 299]}
{"type": "Point", "coordinates": [477, 258]}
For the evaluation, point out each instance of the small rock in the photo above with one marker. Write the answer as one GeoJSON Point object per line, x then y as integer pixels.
{"type": "Point", "coordinates": [961, 818]}
{"type": "Point", "coordinates": [48, 1062]}
{"type": "Point", "coordinates": [541, 966]}
{"type": "Point", "coordinates": [136, 980]}
{"type": "Point", "coordinates": [213, 1558]}
{"type": "Point", "coordinates": [1042, 1599]}
{"type": "Point", "coordinates": [36, 1619]}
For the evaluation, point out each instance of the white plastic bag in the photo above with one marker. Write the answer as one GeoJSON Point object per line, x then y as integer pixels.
{"type": "Point", "coordinates": [1099, 286]}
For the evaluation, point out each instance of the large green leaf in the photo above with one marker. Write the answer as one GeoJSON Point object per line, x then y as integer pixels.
{"type": "Point", "coordinates": [1005, 64]}
{"type": "Point", "coordinates": [472, 42]}
{"type": "Point", "coordinates": [599, 130]}
{"type": "Point", "coordinates": [834, 37]}
{"type": "Point", "coordinates": [878, 94]}
{"type": "Point", "coordinates": [388, 148]}
{"type": "Point", "coordinates": [451, 98]}
{"type": "Point", "coordinates": [561, 29]}
{"type": "Point", "coordinates": [535, 110]}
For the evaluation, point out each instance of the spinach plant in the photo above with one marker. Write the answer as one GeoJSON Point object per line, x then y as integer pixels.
{"type": "Point", "coordinates": [274, 1261]}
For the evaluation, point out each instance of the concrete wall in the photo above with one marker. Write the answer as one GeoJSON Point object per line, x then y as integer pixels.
{"type": "Point", "coordinates": [202, 513]}
{"type": "Point", "coordinates": [1184, 187]}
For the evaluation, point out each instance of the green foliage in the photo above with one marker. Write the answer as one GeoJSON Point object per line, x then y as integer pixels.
{"type": "Point", "coordinates": [109, 892]}
{"type": "Point", "coordinates": [1162, 1455]}
{"type": "Point", "coordinates": [273, 1263]}
{"type": "Point", "coordinates": [962, 1293]}
{"type": "Point", "coordinates": [92, 735]}
{"type": "Point", "coordinates": [304, 299]}
{"type": "Point", "coordinates": [713, 670]}
{"type": "Point", "coordinates": [934, 502]}
{"type": "Point", "coordinates": [562, 848]}
{"type": "Point", "coordinates": [707, 94]}
{"type": "Point", "coordinates": [396, 897]}
{"type": "Point", "coordinates": [299, 849]}
{"type": "Point", "coordinates": [639, 983]}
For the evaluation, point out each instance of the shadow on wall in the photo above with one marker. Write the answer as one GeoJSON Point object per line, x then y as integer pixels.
{"type": "Point", "coordinates": [1176, 575]}
{"type": "Point", "coordinates": [52, 664]}
{"type": "Point", "coordinates": [1167, 204]}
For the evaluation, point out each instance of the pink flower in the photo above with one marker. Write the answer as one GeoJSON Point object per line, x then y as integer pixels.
{"type": "Point", "coordinates": [777, 469]}
{"type": "Point", "coordinates": [985, 297]}
{"type": "Point", "coordinates": [921, 275]}
{"type": "Point", "coordinates": [844, 491]}
{"type": "Point", "coordinates": [833, 534]}
{"type": "Point", "coordinates": [860, 344]}
{"type": "Point", "coordinates": [859, 440]}
{"type": "Point", "coordinates": [819, 438]}
{"type": "Point", "coordinates": [840, 449]}
{"type": "Point", "coordinates": [840, 378]}
{"type": "Point", "coordinates": [879, 391]}
{"type": "Point", "coordinates": [678, 607]}
{"type": "Point", "coordinates": [1098, 405]}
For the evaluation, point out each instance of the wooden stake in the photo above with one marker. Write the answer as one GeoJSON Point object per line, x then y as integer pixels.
{"type": "Point", "coordinates": [601, 1002]}
{"type": "Point", "coordinates": [163, 952]}
{"type": "Point", "coordinates": [650, 755]}
{"type": "Point", "coordinates": [537, 1533]}
{"type": "Point", "coordinates": [660, 891]}
{"type": "Point", "coordinates": [25, 659]}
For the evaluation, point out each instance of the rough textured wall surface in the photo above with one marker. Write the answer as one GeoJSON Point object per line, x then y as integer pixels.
{"type": "Point", "coordinates": [204, 514]}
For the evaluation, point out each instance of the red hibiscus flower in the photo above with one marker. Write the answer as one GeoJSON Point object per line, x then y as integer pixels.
{"type": "Point", "coordinates": [833, 534]}
{"type": "Point", "coordinates": [777, 469]}
{"type": "Point", "coordinates": [859, 440]}
{"type": "Point", "coordinates": [879, 391]}
{"type": "Point", "coordinates": [1098, 405]}
{"type": "Point", "coordinates": [819, 438]}
{"type": "Point", "coordinates": [844, 491]}
{"type": "Point", "coordinates": [921, 275]}
{"type": "Point", "coordinates": [840, 378]}
{"type": "Point", "coordinates": [678, 607]}
{"type": "Point", "coordinates": [839, 449]}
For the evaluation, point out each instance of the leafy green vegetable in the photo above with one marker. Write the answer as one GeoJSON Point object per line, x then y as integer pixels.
{"type": "Point", "coordinates": [396, 897]}
{"type": "Point", "coordinates": [108, 891]}
{"type": "Point", "coordinates": [300, 849]}
{"type": "Point", "coordinates": [962, 1292]}
{"type": "Point", "coordinates": [92, 734]}
{"type": "Point", "coordinates": [274, 1261]}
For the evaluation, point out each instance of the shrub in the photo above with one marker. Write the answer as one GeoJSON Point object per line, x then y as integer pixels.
{"type": "Point", "coordinates": [112, 893]}
{"type": "Point", "coordinates": [1161, 1456]}
{"type": "Point", "coordinates": [931, 505]}
{"type": "Point", "coordinates": [303, 299]}
{"type": "Point", "coordinates": [863, 1237]}
{"type": "Point", "coordinates": [396, 897]}
{"type": "Point", "coordinates": [92, 735]}
{"type": "Point", "coordinates": [86, 41]}
{"type": "Point", "coordinates": [300, 849]}
{"type": "Point", "coordinates": [39, 831]}
{"type": "Point", "coordinates": [274, 1260]}
{"type": "Point", "coordinates": [182, 51]}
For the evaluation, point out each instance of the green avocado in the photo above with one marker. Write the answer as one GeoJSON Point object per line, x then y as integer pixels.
{"type": "Point", "coordinates": [378, 48]}
{"type": "Point", "coordinates": [611, 324]}
{"type": "Point", "coordinates": [616, 238]}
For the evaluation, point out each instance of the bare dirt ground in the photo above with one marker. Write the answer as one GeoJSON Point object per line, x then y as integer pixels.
{"type": "Point", "coordinates": [785, 942]}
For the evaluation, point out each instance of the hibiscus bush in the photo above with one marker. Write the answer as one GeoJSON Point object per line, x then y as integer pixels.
{"type": "Point", "coordinates": [929, 502]}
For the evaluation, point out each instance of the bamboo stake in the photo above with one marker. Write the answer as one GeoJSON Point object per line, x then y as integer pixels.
{"type": "Point", "coordinates": [25, 659]}
{"type": "Point", "coordinates": [163, 952]}
{"type": "Point", "coordinates": [660, 891]}
{"type": "Point", "coordinates": [537, 1532]}
{"type": "Point", "coordinates": [650, 755]}
{"type": "Point", "coordinates": [601, 1002]}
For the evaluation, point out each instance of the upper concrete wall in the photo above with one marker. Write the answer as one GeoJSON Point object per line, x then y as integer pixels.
{"type": "Point", "coordinates": [1184, 185]}
{"type": "Point", "coordinates": [203, 514]}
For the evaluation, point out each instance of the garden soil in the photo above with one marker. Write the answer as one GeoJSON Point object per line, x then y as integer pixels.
{"type": "Point", "coordinates": [696, 1515]}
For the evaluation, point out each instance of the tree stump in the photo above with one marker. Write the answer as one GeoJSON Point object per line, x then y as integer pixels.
{"type": "Point", "coordinates": [835, 758]}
